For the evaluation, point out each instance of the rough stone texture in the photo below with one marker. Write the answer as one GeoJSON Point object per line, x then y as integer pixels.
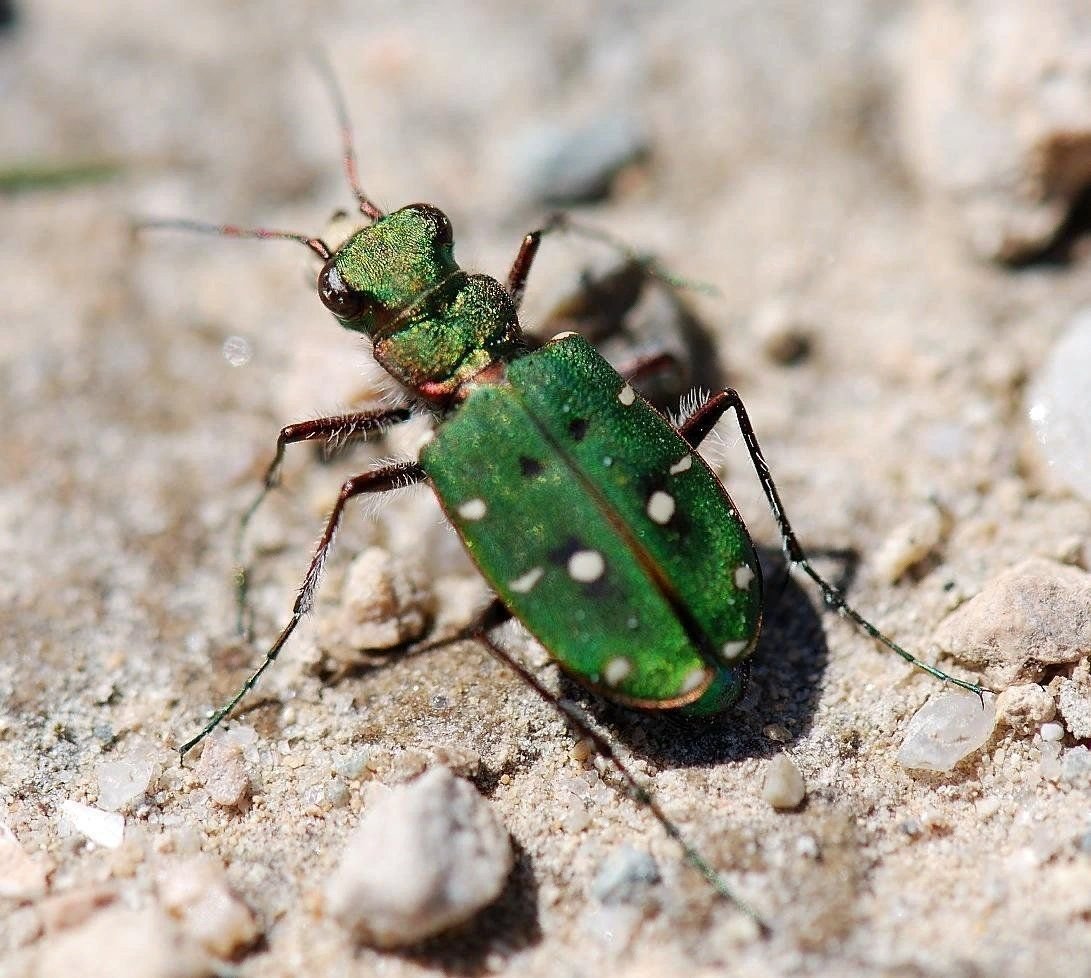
{"type": "Point", "coordinates": [143, 381]}
{"type": "Point", "coordinates": [425, 857]}
{"type": "Point", "coordinates": [946, 730]}
{"type": "Point", "coordinates": [1025, 707]}
{"type": "Point", "coordinates": [1074, 704]}
{"type": "Point", "coordinates": [222, 770]}
{"type": "Point", "coordinates": [123, 783]}
{"type": "Point", "coordinates": [999, 115]}
{"type": "Point", "coordinates": [1076, 767]}
{"type": "Point", "coordinates": [21, 876]}
{"type": "Point", "coordinates": [196, 892]}
{"type": "Point", "coordinates": [1035, 615]}
{"type": "Point", "coordinates": [384, 603]}
{"type": "Point", "coordinates": [134, 943]}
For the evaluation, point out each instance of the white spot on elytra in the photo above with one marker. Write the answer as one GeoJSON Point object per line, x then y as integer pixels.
{"type": "Point", "coordinates": [525, 583]}
{"type": "Point", "coordinates": [692, 681]}
{"type": "Point", "coordinates": [661, 507]}
{"type": "Point", "coordinates": [562, 336]}
{"type": "Point", "coordinates": [682, 465]}
{"type": "Point", "coordinates": [617, 670]}
{"type": "Point", "coordinates": [627, 395]}
{"type": "Point", "coordinates": [472, 509]}
{"type": "Point", "coordinates": [732, 650]}
{"type": "Point", "coordinates": [744, 576]}
{"type": "Point", "coordinates": [586, 566]}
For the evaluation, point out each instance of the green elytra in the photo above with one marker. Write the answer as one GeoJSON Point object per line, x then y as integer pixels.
{"type": "Point", "coordinates": [595, 520]}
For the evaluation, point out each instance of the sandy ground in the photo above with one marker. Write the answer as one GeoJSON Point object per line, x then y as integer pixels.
{"type": "Point", "coordinates": [782, 165]}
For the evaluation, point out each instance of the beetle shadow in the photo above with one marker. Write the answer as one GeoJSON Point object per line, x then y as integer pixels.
{"type": "Point", "coordinates": [781, 691]}
{"type": "Point", "coordinates": [465, 950]}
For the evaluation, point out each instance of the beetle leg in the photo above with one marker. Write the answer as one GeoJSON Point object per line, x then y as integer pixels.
{"type": "Point", "coordinates": [378, 480]}
{"type": "Point", "coordinates": [641, 795]}
{"type": "Point", "coordinates": [520, 268]}
{"type": "Point", "coordinates": [696, 429]}
{"type": "Point", "coordinates": [560, 221]}
{"type": "Point", "coordinates": [335, 430]}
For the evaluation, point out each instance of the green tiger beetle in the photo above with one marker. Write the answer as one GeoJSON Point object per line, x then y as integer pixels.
{"type": "Point", "coordinates": [595, 519]}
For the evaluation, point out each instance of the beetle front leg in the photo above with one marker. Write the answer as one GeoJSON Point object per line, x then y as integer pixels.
{"type": "Point", "coordinates": [379, 480]}
{"type": "Point", "coordinates": [697, 427]}
{"type": "Point", "coordinates": [338, 430]}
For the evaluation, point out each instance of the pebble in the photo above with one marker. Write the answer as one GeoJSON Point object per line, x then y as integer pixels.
{"type": "Point", "coordinates": [910, 542]}
{"type": "Point", "coordinates": [21, 877]}
{"type": "Point", "coordinates": [425, 857]}
{"type": "Point", "coordinates": [124, 782]}
{"type": "Point", "coordinates": [785, 336]}
{"type": "Point", "coordinates": [1057, 402]}
{"type": "Point", "coordinates": [118, 942]}
{"type": "Point", "coordinates": [948, 728]}
{"type": "Point", "coordinates": [625, 877]}
{"type": "Point", "coordinates": [106, 829]}
{"type": "Point", "coordinates": [1051, 733]}
{"type": "Point", "coordinates": [196, 893]}
{"type": "Point", "coordinates": [784, 787]}
{"type": "Point", "coordinates": [579, 165]}
{"type": "Point", "coordinates": [1027, 619]}
{"type": "Point", "coordinates": [222, 770]}
{"type": "Point", "coordinates": [384, 603]}
{"type": "Point", "coordinates": [1025, 707]}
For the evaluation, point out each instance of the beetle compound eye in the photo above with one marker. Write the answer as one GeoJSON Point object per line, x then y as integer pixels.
{"type": "Point", "coordinates": [343, 301]}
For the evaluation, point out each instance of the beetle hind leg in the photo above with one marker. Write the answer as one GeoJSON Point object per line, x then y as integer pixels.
{"type": "Point", "coordinates": [697, 427]}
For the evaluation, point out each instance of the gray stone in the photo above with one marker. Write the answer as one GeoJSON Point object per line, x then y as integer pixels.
{"type": "Point", "coordinates": [625, 877]}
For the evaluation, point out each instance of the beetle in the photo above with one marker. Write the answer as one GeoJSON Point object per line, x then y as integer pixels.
{"type": "Point", "coordinates": [594, 518]}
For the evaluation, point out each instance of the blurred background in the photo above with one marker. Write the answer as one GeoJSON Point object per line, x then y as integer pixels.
{"type": "Point", "coordinates": [882, 211]}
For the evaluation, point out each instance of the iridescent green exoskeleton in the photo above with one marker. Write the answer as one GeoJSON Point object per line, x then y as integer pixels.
{"type": "Point", "coordinates": [594, 518]}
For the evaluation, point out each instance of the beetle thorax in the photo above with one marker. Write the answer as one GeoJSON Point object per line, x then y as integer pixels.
{"type": "Point", "coordinates": [434, 327]}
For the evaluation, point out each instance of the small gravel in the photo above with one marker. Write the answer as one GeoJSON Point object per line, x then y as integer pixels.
{"type": "Point", "coordinates": [948, 728]}
{"type": "Point", "coordinates": [784, 787]}
{"type": "Point", "coordinates": [106, 829]}
{"type": "Point", "coordinates": [222, 770]}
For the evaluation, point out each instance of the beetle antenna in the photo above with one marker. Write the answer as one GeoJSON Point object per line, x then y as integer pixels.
{"type": "Point", "coordinates": [317, 245]}
{"type": "Point", "coordinates": [348, 148]}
